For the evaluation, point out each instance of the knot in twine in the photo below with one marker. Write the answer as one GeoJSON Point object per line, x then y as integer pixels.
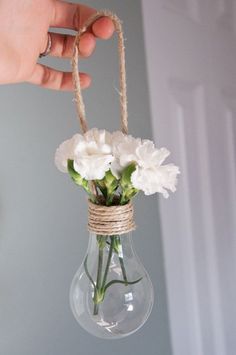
{"type": "Point", "coordinates": [110, 220]}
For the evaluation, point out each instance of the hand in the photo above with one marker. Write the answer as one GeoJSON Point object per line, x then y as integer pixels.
{"type": "Point", "coordinates": [24, 26]}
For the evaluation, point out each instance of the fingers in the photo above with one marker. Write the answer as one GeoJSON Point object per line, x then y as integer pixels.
{"type": "Point", "coordinates": [73, 16]}
{"type": "Point", "coordinates": [87, 44]}
{"type": "Point", "coordinates": [103, 28]}
{"type": "Point", "coordinates": [53, 79]}
{"type": "Point", "coordinates": [62, 45]}
{"type": "Point", "coordinates": [68, 15]}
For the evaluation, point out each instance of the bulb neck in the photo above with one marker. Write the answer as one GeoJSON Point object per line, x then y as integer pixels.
{"type": "Point", "coordinates": [110, 220]}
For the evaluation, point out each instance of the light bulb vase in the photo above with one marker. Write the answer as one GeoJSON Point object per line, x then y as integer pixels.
{"type": "Point", "coordinates": [111, 295]}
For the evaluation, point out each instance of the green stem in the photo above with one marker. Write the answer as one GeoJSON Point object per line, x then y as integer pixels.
{"type": "Point", "coordinates": [95, 309]}
{"type": "Point", "coordinates": [119, 251]}
{"type": "Point", "coordinates": [108, 262]}
{"type": "Point", "coordinates": [99, 279]}
{"type": "Point", "coordinates": [101, 287]}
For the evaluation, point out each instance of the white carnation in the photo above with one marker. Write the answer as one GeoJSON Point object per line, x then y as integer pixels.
{"type": "Point", "coordinates": [93, 154]}
{"type": "Point", "coordinates": [124, 151]}
{"type": "Point", "coordinates": [65, 152]}
{"type": "Point", "coordinates": [150, 175]}
{"type": "Point", "coordinates": [148, 156]}
{"type": "Point", "coordinates": [156, 179]}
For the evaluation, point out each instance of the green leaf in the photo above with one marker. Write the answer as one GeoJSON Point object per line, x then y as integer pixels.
{"type": "Point", "coordinates": [125, 181]}
{"type": "Point", "coordinates": [108, 186]}
{"type": "Point", "coordinates": [110, 181]}
{"type": "Point", "coordinates": [101, 185]}
{"type": "Point", "coordinates": [121, 282]}
{"type": "Point", "coordinates": [128, 190]}
{"type": "Point", "coordinates": [76, 177]}
{"type": "Point", "coordinates": [128, 195]}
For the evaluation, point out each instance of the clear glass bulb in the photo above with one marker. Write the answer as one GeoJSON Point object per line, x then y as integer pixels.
{"type": "Point", "coordinates": [111, 294]}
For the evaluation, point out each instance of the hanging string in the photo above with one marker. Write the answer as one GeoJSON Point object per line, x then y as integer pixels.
{"type": "Point", "coordinates": [122, 71]}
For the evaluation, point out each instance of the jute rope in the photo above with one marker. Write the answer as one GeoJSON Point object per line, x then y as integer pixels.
{"type": "Point", "coordinates": [105, 220]}
{"type": "Point", "coordinates": [110, 220]}
{"type": "Point", "coordinates": [121, 50]}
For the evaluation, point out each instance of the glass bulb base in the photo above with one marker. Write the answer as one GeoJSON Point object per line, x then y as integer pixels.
{"type": "Point", "coordinates": [111, 294]}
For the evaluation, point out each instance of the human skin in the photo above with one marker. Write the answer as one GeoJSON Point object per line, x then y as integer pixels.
{"type": "Point", "coordinates": [24, 27]}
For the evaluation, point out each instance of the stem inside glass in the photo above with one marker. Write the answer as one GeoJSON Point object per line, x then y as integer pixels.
{"type": "Point", "coordinates": [114, 245]}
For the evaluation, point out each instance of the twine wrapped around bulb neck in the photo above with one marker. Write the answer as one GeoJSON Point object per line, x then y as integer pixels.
{"type": "Point", "coordinates": [110, 220]}
{"type": "Point", "coordinates": [105, 220]}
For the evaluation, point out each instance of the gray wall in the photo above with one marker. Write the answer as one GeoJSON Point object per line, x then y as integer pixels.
{"type": "Point", "coordinates": [43, 235]}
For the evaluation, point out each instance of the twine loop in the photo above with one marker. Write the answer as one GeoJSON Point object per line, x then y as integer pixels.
{"type": "Point", "coordinates": [75, 71]}
{"type": "Point", "coordinates": [110, 220]}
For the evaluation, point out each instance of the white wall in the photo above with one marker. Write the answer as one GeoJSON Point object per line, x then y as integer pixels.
{"type": "Point", "coordinates": [191, 57]}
